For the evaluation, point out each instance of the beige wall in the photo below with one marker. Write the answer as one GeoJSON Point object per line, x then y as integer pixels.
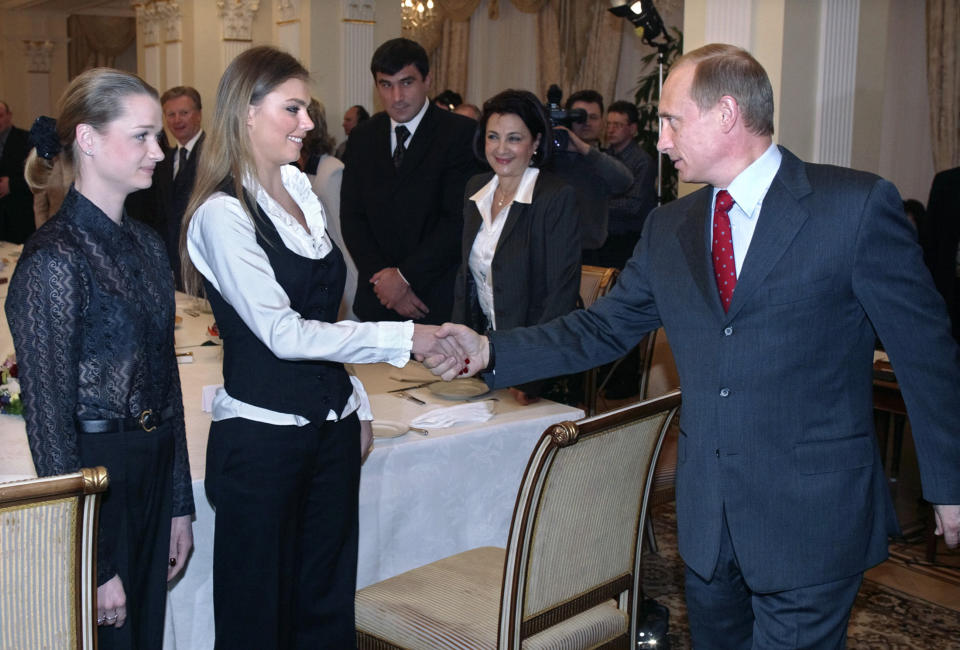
{"type": "Point", "coordinates": [30, 93]}
{"type": "Point", "coordinates": [891, 132]}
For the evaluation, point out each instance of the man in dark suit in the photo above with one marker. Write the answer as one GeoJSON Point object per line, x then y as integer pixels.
{"type": "Point", "coordinates": [165, 202]}
{"type": "Point", "coordinates": [16, 200]}
{"type": "Point", "coordinates": [401, 202]}
{"type": "Point", "coordinates": [943, 239]}
{"type": "Point", "coordinates": [782, 501]}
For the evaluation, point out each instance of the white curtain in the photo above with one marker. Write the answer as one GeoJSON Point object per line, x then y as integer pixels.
{"type": "Point", "coordinates": [503, 53]}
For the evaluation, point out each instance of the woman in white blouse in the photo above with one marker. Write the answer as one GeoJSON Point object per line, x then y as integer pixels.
{"type": "Point", "coordinates": [521, 231]}
{"type": "Point", "coordinates": [283, 456]}
{"type": "Point", "coordinates": [325, 172]}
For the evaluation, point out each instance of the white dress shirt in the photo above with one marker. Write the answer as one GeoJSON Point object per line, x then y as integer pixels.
{"type": "Point", "coordinates": [748, 190]}
{"type": "Point", "coordinates": [485, 243]}
{"type": "Point", "coordinates": [222, 244]}
{"type": "Point", "coordinates": [191, 143]}
{"type": "Point", "coordinates": [411, 127]}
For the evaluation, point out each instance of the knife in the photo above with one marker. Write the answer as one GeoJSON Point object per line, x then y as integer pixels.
{"type": "Point", "coordinates": [409, 397]}
{"type": "Point", "coordinates": [426, 383]}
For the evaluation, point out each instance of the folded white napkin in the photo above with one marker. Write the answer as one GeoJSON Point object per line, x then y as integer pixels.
{"type": "Point", "coordinates": [449, 416]}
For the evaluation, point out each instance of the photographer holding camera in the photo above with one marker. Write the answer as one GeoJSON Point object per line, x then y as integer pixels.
{"type": "Point", "coordinates": [595, 176]}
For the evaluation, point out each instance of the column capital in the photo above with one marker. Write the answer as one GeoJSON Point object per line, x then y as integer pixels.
{"type": "Point", "coordinates": [237, 18]}
{"type": "Point", "coordinates": [39, 55]}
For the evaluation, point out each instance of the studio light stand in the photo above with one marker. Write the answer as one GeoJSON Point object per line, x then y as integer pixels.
{"type": "Point", "coordinates": [643, 15]}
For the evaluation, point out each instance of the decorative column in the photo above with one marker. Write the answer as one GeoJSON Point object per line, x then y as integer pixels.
{"type": "Point", "coordinates": [236, 26]}
{"type": "Point", "coordinates": [39, 56]}
{"type": "Point", "coordinates": [171, 22]}
{"type": "Point", "coordinates": [149, 20]}
{"type": "Point", "coordinates": [287, 34]}
{"type": "Point", "coordinates": [833, 132]}
{"type": "Point", "coordinates": [358, 24]}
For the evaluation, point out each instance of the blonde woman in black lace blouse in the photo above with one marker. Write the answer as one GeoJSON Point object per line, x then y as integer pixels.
{"type": "Point", "coordinates": [91, 309]}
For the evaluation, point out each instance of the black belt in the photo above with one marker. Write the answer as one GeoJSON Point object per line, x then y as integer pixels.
{"type": "Point", "coordinates": [147, 421]}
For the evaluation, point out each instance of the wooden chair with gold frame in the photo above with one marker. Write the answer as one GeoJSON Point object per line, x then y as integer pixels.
{"type": "Point", "coordinates": [595, 282]}
{"type": "Point", "coordinates": [48, 568]}
{"type": "Point", "coordinates": [570, 575]}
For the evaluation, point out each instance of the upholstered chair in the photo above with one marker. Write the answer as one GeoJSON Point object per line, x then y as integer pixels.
{"type": "Point", "coordinates": [570, 574]}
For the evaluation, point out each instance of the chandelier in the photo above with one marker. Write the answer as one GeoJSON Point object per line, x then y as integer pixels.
{"type": "Point", "coordinates": [416, 15]}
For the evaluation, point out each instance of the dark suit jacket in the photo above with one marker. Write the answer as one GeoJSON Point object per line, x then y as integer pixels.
{"type": "Point", "coordinates": [943, 229]}
{"type": "Point", "coordinates": [16, 208]}
{"type": "Point", "coordinates": [536, 266]}
{"type": "Point", "coordinates": [174, 194]}
{"type": "Point", "coordinates": [777, 425]}
{"type": "Point", "coordinates": [412, 217]}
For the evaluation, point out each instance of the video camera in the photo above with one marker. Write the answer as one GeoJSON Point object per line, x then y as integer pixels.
{"type": "Point", "coordinates": [561, 117]}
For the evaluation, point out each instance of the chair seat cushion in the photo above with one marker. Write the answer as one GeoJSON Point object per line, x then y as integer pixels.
{"type": "Point", "coordinates": [454, 603]}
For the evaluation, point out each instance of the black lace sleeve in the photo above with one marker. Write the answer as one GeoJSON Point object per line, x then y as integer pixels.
{"type": "Point", "coordinates": [44, 310]}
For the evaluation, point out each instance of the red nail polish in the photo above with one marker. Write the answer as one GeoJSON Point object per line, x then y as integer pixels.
{"type": "Point", "coordinates": [467, 361]}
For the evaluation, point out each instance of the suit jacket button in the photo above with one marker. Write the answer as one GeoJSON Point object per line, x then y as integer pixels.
{"type": "Point", "coordinates": [724, 392]}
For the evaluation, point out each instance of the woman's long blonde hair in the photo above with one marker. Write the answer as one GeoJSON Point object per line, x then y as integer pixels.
{"type": "Point", "coordinates": [227, 154]}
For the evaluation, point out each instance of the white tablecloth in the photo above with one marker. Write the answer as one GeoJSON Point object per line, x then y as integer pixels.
{"type": "Point", "coordinates": [421, 497]}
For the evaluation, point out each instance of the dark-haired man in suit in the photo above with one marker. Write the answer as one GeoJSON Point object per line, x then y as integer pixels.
{"type": "Point", "coordinates": [16, 200]}
{"type": "Point", "coordinates": [772, 283]}
{"type": "Point", "coordinates": [401, 205]}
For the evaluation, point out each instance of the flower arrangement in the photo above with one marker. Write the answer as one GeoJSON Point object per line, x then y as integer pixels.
{"type": "Point", "coordinates": [10, 387]}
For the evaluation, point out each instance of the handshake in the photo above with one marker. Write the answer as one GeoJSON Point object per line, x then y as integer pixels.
{"type": "Point", "coordinates": [450, 351]}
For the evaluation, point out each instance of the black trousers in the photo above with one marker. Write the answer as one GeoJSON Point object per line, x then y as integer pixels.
{"type": "Point", "coordinates": [135, 519]}
{"type": "Point", "coordinates": [285, 542]}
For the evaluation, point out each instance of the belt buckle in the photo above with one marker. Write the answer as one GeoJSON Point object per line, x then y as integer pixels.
{"type": "Point", "coordinates": [148, 420]}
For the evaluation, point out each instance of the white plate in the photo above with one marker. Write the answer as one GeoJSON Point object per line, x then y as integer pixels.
{"type": "Point", "coordinates": [459, 388]}
{"type": "Point", "coordinates": [389, 428]}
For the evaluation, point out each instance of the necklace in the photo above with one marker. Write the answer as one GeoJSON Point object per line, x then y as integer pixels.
{"type": "Point", "coordinates": [504, 199]}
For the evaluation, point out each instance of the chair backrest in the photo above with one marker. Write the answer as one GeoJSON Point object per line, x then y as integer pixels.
{"type": "Point", "coordinates": [575, 538]}
{"type": "Point", "coordinates": [595, 281]}
{"type": "Point", "coordinates": [48, 572]}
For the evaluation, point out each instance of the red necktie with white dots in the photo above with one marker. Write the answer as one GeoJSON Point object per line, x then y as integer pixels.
{"type": "Point", "coordinates": [724, 266]}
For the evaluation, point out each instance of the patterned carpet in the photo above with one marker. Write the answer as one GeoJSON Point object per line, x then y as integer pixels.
{"type": "Point", "coordinates": [883, 618]}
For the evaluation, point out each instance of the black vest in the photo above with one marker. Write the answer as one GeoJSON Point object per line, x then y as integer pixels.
{"type": "Point", "coordinates": [251, 372]}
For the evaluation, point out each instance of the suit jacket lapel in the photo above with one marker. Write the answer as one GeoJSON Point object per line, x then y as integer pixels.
{"type": "Point", "coordinates": [780, 218]}
{"type": "Point", "coordinates": [693, 235]}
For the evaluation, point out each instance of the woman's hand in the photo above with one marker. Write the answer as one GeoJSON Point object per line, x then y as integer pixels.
{"type": "Point", "coordinates": [181, 541]}
{"type": "Point", "coordinates": [366, 439]}
{"type": "Point", "coordinates": [522, 398]}
{"type": "Point", "coordinates": [111, 603]}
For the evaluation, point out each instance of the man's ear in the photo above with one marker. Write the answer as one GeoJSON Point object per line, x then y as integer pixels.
{"type": "Point", "coordinates": [729, 112]}
{"type": "Point", "coordinates": [428, 81]}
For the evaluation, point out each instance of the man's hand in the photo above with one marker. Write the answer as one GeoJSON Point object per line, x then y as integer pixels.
{"type": "Point", "coordinates": [111, 603]}
{"type": "Point", "coordinates": [574, 143]}
{"type": "Point", "coordinates": [445, 353]}
{"type": "Point", "coordinates": [4, 186]}
{"type": "Point", "coordinates": [474, 348]}
{"type": "Point", "coordinates": [522, 398]}
{"type": "Point", "coordinates": [948, 524]}
{"type": "Point", "coordinates": [181, 541]}
{"type": "Point", "coordinates": [394, 293]}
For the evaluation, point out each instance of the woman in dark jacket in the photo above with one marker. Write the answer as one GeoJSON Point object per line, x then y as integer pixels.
{"type": "Point", "coordinates": [521, 232]}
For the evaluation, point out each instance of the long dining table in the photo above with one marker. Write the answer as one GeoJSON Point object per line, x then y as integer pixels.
{"type": "Point", "coordinates": [422, 497]}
